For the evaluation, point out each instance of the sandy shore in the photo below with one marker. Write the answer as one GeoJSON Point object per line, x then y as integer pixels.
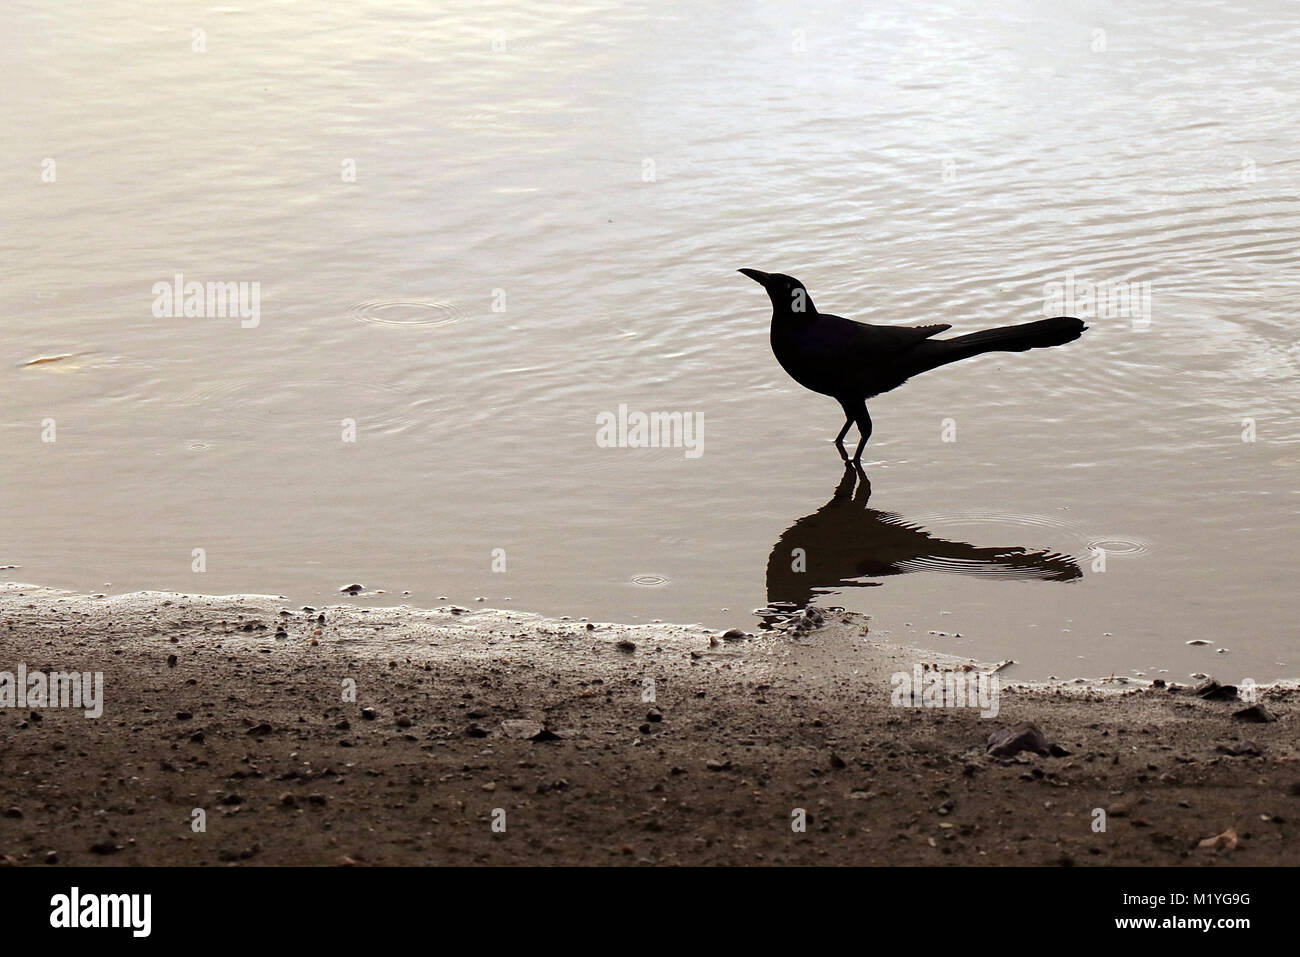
{"type": "Point", "coordinates": [502, 738]}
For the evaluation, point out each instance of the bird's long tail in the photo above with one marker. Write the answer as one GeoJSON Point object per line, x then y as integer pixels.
{"type": "Point", "coordinates": [1028, 335]}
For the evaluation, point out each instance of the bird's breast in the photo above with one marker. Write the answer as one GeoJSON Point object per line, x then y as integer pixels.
{"type": "Point", "coordinates": [803, 356]}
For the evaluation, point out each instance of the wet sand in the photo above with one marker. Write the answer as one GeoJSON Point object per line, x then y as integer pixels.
{"type": "Point", "coordinates": [441, 747]}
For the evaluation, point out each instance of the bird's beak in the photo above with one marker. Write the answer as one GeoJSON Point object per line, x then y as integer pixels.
{"type": "Point", "coordinates": [757, 275]}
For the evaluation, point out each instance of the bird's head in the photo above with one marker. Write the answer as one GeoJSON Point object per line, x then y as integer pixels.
{"type": "Point", "coordinates": [788, 294]}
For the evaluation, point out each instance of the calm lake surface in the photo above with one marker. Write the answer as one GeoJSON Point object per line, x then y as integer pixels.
{"type": "Point", "coordinates": [475, 227]}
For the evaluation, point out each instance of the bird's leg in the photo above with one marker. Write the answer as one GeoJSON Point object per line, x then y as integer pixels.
{"type": "Point", "coordinates": [839, 440]}
{"type": "Point", "coordinates": [864, 427]}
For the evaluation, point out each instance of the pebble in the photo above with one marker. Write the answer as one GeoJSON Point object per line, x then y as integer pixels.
{"type": "Point", "coordinates": [1239, 749]}
{"type": "Point", "coordinates": [1026, 736]}
{"type": "Point", "coordinates": [521, 728]}
{"type": "Point", "coordinates": [1211, 690]}
{"type": "Point", "coordinates": [1256, 713]}
{"type": "Point", "coordinates": [1226, 841]}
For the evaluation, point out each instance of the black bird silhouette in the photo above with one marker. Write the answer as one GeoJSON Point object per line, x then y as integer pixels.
{"type": "Point", "coordinates": [845, 542]}
{"type": "Point", "coordinates": [853, 361]}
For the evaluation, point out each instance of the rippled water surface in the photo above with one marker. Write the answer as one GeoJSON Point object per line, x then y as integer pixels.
{"type": "Point", "coordinates": [549, 206]}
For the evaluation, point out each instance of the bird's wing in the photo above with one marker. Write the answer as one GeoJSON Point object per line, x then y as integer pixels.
{"type": "Point", "coordinates": [884, 339]}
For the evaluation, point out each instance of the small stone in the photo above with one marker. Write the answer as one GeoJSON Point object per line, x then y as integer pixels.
{"type": "Point", "coordinates": [1239, 749]}
{"type": "Point", "coordinates": [521, 729]}
{"type": "Point", "coordinates": [713, 764]}
{"type": "Point", "coordinates": [654, 715]}
{"type": "Point", "coordinates": [837, 762]}
{"type": "Point", "coordinates": [13, 812]}
{"type": "Point", "coordinates": [1026, 736]}
{"type": "Point", "coordinates": [1211, 690]}
{"type": "Point", "coordinates": [1227, 841]}
{"type": "Point", "coordinates": [171, 661]}
{"type": "Point", "coordinates": [183, 715]}
{"type": "Point", "coordinates": [734, 634]}
{"type": "Point", "coordinates": [626, 645]}
{"type": "Point", "coordinates": [352, 589]}
{"type": "Point", "coordinates": [369, 714]}
{"type": "Point", "coordinates": [1256, 714]}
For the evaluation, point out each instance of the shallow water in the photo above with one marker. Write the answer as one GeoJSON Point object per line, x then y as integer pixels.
{"type": "Point", "coordinates": [600, 170]}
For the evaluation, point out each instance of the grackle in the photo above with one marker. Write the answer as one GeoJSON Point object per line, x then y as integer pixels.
{"type": "Point", "coordinates": [853, 361]}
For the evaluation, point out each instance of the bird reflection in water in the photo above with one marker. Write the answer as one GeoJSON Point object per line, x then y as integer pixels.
{"type": "Point", "coordinates": [844, 544]}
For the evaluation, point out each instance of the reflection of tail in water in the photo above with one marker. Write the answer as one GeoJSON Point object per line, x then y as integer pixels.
{"type": "Point", "coordinates": [844, 542]}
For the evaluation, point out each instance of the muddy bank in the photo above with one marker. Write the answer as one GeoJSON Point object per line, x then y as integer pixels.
{"type": "Point", "coordinates": [499, 737]}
